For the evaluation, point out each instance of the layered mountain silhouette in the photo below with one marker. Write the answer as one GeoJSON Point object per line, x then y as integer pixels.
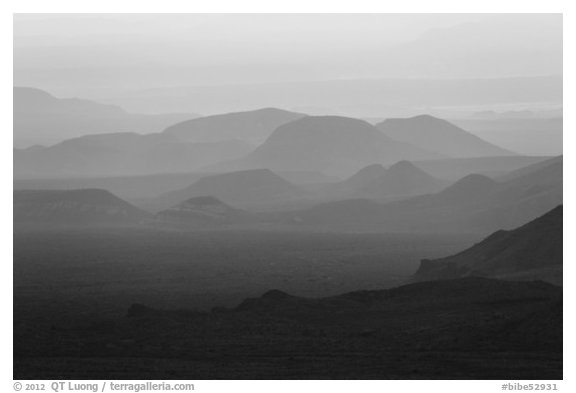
{"type": "Point", "coordinates": [290, 143]}
{"type": "Point", "coordinates": [186, 147]}
{"type": "Point", "coordinates": [253, 126]}
{"type": "Point", "coordinates": [476, 203]}
{"type": "Point", "coordinates": [122, 154]}
{"type": "Point", "coordinates": [42, 118]}
{"type": "Point", "coordinates": [453, 169]}
{"type": "Point", "coordinates": [469, 189]}
{"type": "Point", "coordinates": [250, 188]}
{"type": "Point", "coordinates": [543, 172]}
{"type": "Point", "coordinates": [330, 144]}
{"type": "Point", "coordinates": [73, 207]}
{"type": "Point", "coordinates": [533, 251]}
{"type": "Point", "coordinates": [202, 212]}
{"type": "Point", "coordinates": [126, 187]}
{"type": "Point", "coordinates": [402, 179]}
{"type": "Point", "coordinates": [308, 177]}
{"type": "Point", "coordinates": [483, 203]}
{"type": "Point", "coordinates": [520, 134]}
{"type": "Point", "coordinates": [439, 136]}
{"type": "Point", "coordinates": [350, 187]}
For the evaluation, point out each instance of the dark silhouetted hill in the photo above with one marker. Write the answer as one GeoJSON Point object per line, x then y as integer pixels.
{"type": "Point", "coordinates": [469, 328]}
{"type": "Point", "coordinates": [533, 251]}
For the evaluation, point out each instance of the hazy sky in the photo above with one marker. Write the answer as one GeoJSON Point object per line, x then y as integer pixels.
{"type": "Point", "coordinates": [156, 50]}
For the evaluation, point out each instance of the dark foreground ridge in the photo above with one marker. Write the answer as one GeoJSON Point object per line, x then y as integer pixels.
{"type": "Point", "coordinates": [533, 251]}
{"type": "Point", "coordinates": [470, 328]}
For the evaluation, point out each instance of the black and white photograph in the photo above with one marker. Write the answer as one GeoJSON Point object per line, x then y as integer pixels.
{"type": "Point", "coordinates": [287, 196]}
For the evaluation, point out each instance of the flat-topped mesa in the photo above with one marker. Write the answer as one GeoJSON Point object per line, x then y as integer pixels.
{"type": "Point", "coordinates": [82, 206]}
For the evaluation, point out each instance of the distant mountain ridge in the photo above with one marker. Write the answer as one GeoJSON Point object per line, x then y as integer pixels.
{"type": "Point", "coordinates": [253, 126]}
{"type": "Point", "coordinates": [374, 181]}
{"type": "Point", "coordinates": [402, 179]}
{"type": "Point", "coordinates": [350, 186]}
{"type": "Point", "coordinates": [549, 170]}
{"type": "Point", "coordinates": [290, 142]}
{"type": "Point", "coordinates": [247, 188]}
{"type": "Point", "coordinates": [453, 169]}
{"type": "Point", "coordinates": [42, 119]}
{"type": "Point", "coordinates": [469, 188]}
{"type": "Point", "coordinates": [475, 203]}
{"type": "Point", "coordinates": [185, 147]}
{"type": "Point", "coordinates": [39, 101]}
{"type": "Point", "coordinates": [122, 154]}
{"type": "Point", "coordinates": [439, 136]}
{"type": "Point", "coordinates": [333, 145]}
